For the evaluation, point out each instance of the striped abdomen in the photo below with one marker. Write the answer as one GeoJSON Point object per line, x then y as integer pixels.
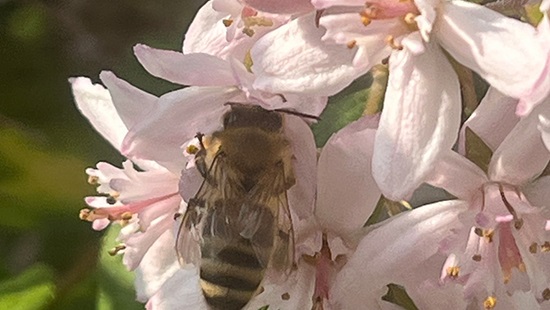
{"type": "Point", "coordinates": [230, 272]}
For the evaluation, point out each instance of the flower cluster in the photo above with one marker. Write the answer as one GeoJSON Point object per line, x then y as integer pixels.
{"type": "Point", "coordinates": [486, 246]}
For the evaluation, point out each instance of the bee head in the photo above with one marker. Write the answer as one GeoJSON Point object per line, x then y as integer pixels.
{"type": "Point", "coordinates": [252, 116]}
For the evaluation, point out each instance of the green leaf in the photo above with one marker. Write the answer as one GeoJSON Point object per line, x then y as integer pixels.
{"type": "Point", "coordinates": [34, 181]}
{"type": "Point", "coordinates": [385, 209]}
{"type": "Point", "coordinates": [264, 307]}
{"type": "Point", "coordinates": [477, 151]}
{"type": "Point", "coordinates": [116, 283]}
{"type": "Point", "coordinates": [32, 289]}
{"type": "Point", "coordinates": [397, 295]}
{"type": "Point", "coordinates": [363, 97]}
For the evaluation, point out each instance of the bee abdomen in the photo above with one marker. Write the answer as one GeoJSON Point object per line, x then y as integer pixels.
{"type": "Point", "coordinates": [230, 274]}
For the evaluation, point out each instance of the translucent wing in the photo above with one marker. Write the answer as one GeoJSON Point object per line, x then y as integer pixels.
{"type": "Point", "coordinates": [267, 222]}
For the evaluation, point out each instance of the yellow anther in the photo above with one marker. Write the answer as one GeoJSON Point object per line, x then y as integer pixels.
{"type": "Point", "coordinates": [518, 224]}
{"type": "Point", "coordinates": [192, 149]}
{"type": "Point", "coordinates": [365, 20]}
{"type": "Point", "coordinates": [351, 44]}
{"type": "Point", "coordinates": [521, 267]}
{"type": "Point", "coordinates": [248, 62]}
{"type": "Point", "coordinates": [257, 21]}
{"type": "Point", "coordinates": [249, 32]}
{"type": "Point", "coordinates": [545, 247]}
{"type": "Point", "coordinates": [126, 216]}
{"type": "Point", "coordinates": [227, 22]}
{"type": "Point", "coordinates": [93, 180]}
{"type": "Point", "coordinates": [490, 303]}
{"type": "Point", "coordinates": [453, 271]}
{"type": "Point", "coordinates": [84, 214]}
{"type": "Point", "coordinates": [476, 257]}
{"type": "Point", "coordinates": [486, 233]}
{"type": "Point", "coordinates": [390, 40]}
{"type": "Point", "coordinates": [409, 19]}
{"type": "Point", "coordinates": [114, 251]}
{"type": "Point", "coordinates": [546, 294]}
{"type": "Point", "coordinates": [285, 296]}
{"type": "Point", "coordinates": [533, 247]}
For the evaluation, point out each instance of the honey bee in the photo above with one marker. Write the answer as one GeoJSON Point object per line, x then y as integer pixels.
{"type": "Point", "coordinates": [239, 224]}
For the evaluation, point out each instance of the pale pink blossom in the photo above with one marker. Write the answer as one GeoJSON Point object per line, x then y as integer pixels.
{"type": "Point", "coordinates": [144, 201]}
{"type": "Point", "coordinates": [422, 102]}
{"type": "Point", "coordinates": [502, 248]}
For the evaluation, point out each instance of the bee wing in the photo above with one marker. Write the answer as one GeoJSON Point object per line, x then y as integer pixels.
{"type": "Point", "coordinates": [197, 214]}
{"type": "Point", "coordinates": [267, 221]}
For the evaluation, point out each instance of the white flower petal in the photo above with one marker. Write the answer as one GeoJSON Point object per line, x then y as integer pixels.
{"type": "Point", "coordinates": [196, 69]}
{"type": "Point", "coordinates": [389, 252]}
{"type": "Point", "coordinates": [130, 102]}
{"type": "Point", "coordinates": [301, 196]}
{"type": "Point", "coordinates": [522, 155]}
{"type": "Point", "coordinates": [504, 51]}
{"type": "Point", "coordinates": [303, 64]}
{"type": "Point", "coordinates": [299, 286]}
{"type": "Point", "coordinates": [538, 192]}
{"type": "Point", "coordinates": [181, 291]}
{"type": "Point", "coordinates": [492, 120]}
{"type": "Point", "coordinates": [158, 265]}
{"type": "Point", "coordinates": [95, 103]}
{"type": "Point", "coordinates": [419, 122]}
{"type": "Point", "coordinates": [346, 191]}
{"type": "Point", "coordinates": [181, 114]}
{"type": "Point", "coordinates": [457, 175]}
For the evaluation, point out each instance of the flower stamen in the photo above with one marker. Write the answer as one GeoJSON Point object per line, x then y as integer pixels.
{"type": "Point", "coordinates": [489, 303]}
{"type": "Point", "coordinates": [93, 180]}
{"type": "Point", "coordinates": [533, 248]}
{"type": "Point", "coordinates": [476, 258]}
{"type": "Point", "coordinates": [390, 40]}
{"type": "Point", "coordinates": [546, 294]}
{"type": "Point", "coordinates": [518, 223]}
{"type": "Point", "coordinates": [114, 251]}
{"type": "Point", "coordinates": [453, 271]}
{"type": "Point", "coordinates": [351, 44]}
{"type": "Point", "coordinates": [545, 247]}
{"type": "Point", "coordinates": [227, 22]}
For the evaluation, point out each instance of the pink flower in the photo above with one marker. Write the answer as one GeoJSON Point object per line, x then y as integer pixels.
{"type": "Point", "coordinates": [422, 101]}
{"type": "Point", "coordinates": [144, 201]}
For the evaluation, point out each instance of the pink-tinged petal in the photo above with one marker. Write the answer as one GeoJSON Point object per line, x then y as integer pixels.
{"type": "Point", "coordinates": [130, 102]}
{"type": "Point", "coordinates": [492, 120]}
{"type": "Point", "coordinates": [100, 224]}
{"type": "Point", "coordinates": [323, 4]}
{"type": "Point", "coordinates": [157, 266]}
{"type": "Point", "coordinates": [541, 89]}
{"type": "Point", "coordinates": [391, 251]}
{"type": "Point", "coordinates": [538, 192]}
{"type": "Point", "coordinates": [280, 6]}
{"type": "Point", "coordinates": [299, 286]}
{"type": "Point", "coordinates": [208, 34]}
{"type": "Point", "coordinates": [304, 63]}
{"type": "Point", "coordinates": [544, 128]}
{"type": "Point", "coordinates": [138, 244]}
{"type": "Point", "coordinates": [419, 122]}
{"type": "Point", "coordinates": [181, 291]}
{"type": "Point", "coordinates": [301, 196]}
{"type": "Point", "coordinates": [371, 41]}
{"type": "Point", "coordinates": [522, 155]}
{"type": "Point", "coordinates": [346, 191]}
{"type": "Point", "coordinates": [507, 53]}
{"type": "Point", "coordinates": [95, 103]}
{"type": "Point", "coordinates": [457, 175]}
{"type": "Point", "coordinates": [156, 210]}
{"type": "Point", "coordinates": [180, 115]}
{"type": "Point", "coordinates": [197, 69]}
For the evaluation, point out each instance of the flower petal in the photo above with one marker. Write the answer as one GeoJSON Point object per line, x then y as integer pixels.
{"type": "Point", "coordinates": [419, 122]}
{"type": "Point", "coordinates": [492, 120]}
{"type": "Point", "coordinates": [388, 253]}
{"type": "Point", "coordinates": [301, 196]}
{"type": "Point", "coordinates": [181, 291]}
{"type": "Point", "coordinates": [299, 286]}
{"type": "Point", "coordinates": [522, 155]}
{"type": "Point", "coordinates": [95, 103]}
{"type": "Point", "coordinates": [181, 114]}
{"type": "Point", "coordinates": [346, 191]}
{"type": "Point", "coordinates": [304, 64]}
{"type": "Point", "coordinates": [158, 265]}
{"type": "Point", "coordinates": [457, 175]}
{"type": "Point", "coordinates": [280, 6]}
{"type": "Point", "coordinates": [130, 102]}
{"type": "Point", "coordinates": [196, 69]}
{"type": "Point", "coordinates": [507, 53]}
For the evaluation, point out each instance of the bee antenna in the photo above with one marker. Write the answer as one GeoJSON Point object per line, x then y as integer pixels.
{"type": "Point", "coordinates": [287, 111]}
{"type": "Point", "coordinates": [199, 136]}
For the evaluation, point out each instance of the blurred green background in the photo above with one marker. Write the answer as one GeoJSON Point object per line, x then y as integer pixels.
{"type": "Point", "coordinates": [49, 259]}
